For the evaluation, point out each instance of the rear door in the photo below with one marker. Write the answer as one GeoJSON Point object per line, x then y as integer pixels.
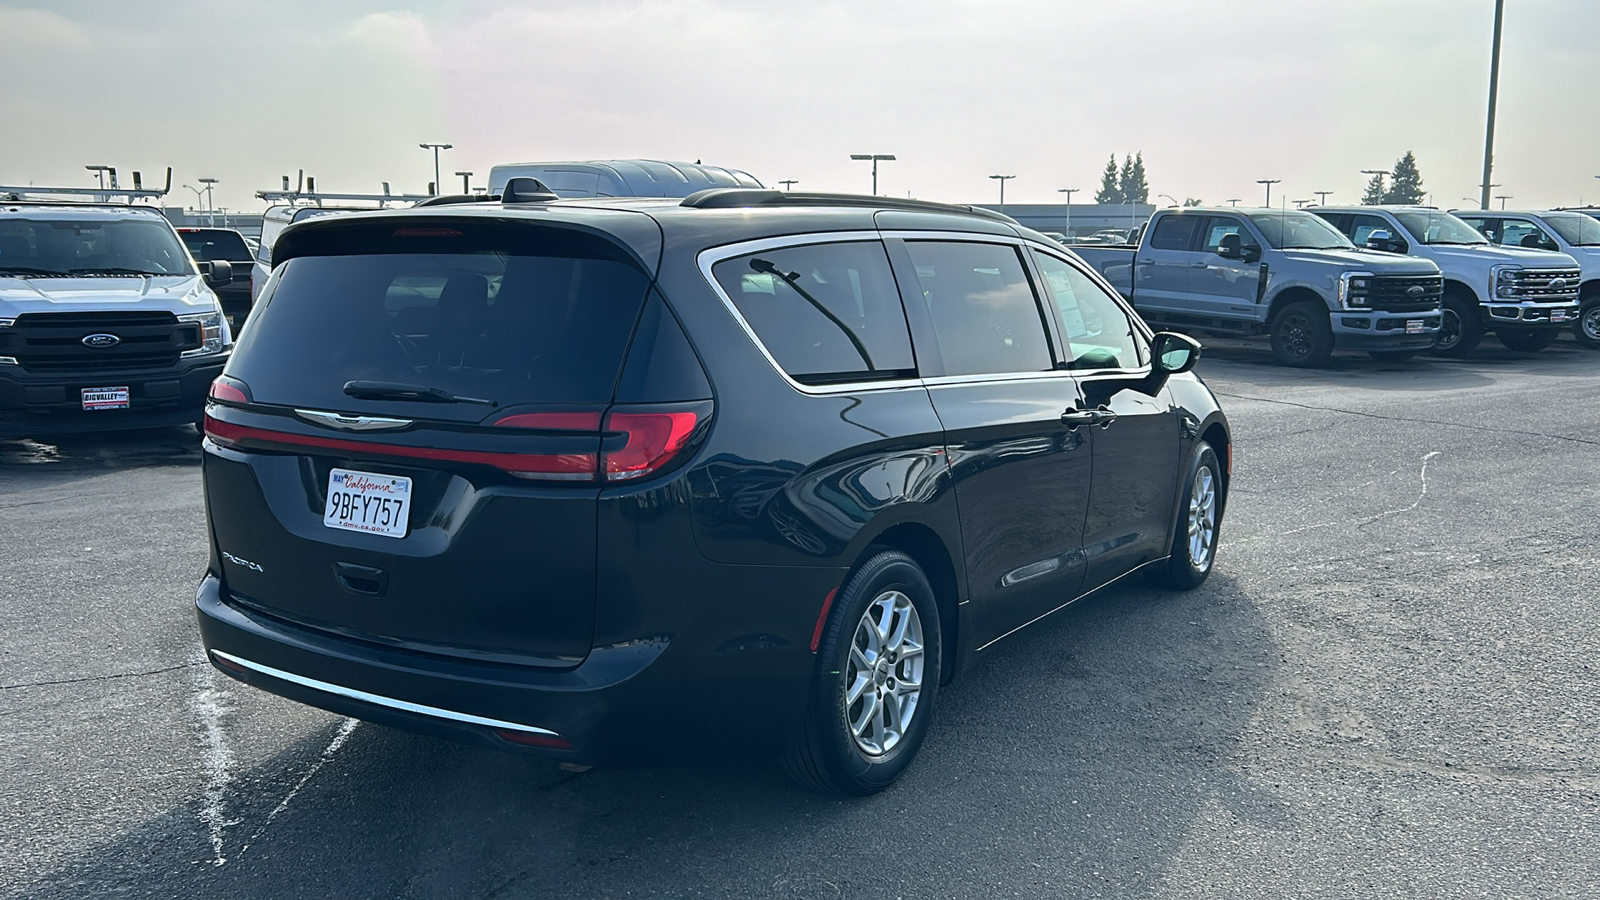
{"type": "Point", "coordinates": [1163, 262]}
{"type": "Point", "coordinates": [409, 441]}
{"type": "Point", "coordinates": [1021, 472]}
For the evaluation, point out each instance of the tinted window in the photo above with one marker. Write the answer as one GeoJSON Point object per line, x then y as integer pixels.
{"type": "Point", "coordinates": [87, 247]}
{"type": "Point", "coordinates": [983, 308]}
{"type": "Point", "coordinates": [1174, 232]}
{"type": "Point", "coordinates": [1100, 335]}
{"type": "Point", "coordinates": [214, 245]}
{"type": "Point", "coordinates": [826, 312]}
{"type": "Point", "coordinates": [489, 325]}
{"type": "Point", "coordinates": [1432, 227]}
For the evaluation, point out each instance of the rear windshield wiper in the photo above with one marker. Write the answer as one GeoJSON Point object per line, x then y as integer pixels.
{"type": "Point", "coordinates": [29, 270]}
{"type": "Point", "coordinates": [792, 279]}
{"type": "Point", "coordinates": [388, 390]}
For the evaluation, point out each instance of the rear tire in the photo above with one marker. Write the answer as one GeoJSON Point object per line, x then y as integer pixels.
{"type": "Point", "coordinates": [1301, 335]}
{"type": "Point", "coordinates": [1527, 340]}
{"type": "Point", "coordinates": [1587, 328]}
{"type": "Point", "coordinates": [881, 638]}
{"type": "Point", "coordinates": [1459, 329]}
{"type": "Point", "coordinates": [1193, 551]}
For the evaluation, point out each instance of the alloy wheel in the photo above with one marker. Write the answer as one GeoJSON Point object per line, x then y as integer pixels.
{"type": "Point", "coordinates": [1202, 518]}
{"type": "Point", "coordinates": [883, 677]}
{"type": "Point", "coordinates": [1449, 330]}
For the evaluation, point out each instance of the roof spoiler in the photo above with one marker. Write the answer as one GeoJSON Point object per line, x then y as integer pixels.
{"type": "Point", "coordinates": [740, 198]}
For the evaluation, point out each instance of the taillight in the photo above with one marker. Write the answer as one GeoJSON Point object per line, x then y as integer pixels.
{"type": "Point", "coordinates": [554, 421]}
{"type": "Point", "coordinates": [229, 390]}
{"type": "Point", "coordinates": [653, 439]}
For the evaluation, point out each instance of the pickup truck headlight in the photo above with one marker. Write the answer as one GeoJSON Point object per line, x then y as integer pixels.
{"type": "Point", "coordinates": [1505, 282]}
{"type": "Point", "coordinates": [212, 330]}
{"type": "Point", "coordinates": [1355, 289]}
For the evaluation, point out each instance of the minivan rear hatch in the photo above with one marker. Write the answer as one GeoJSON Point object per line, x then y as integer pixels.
{"type": "Point", "coordinates": [407, 445]}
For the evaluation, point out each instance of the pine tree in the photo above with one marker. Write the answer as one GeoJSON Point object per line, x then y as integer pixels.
{"type": "Point", "coordinates": [1135, 189]}
{"type": "Point", "coordinates": [1374, 193]}
{"type": "Point", "coordinates": [1405, 184]}
{"type": "Point", "coordinates": [1125, 177]}
{"type": "Point", "coordinates": [1110, 191]}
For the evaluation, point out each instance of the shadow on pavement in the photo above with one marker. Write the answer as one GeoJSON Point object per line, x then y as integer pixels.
{"type": "Point", "coordinates": [178, 446]}
{"type": "Point", "coordinates": [1072, 762]}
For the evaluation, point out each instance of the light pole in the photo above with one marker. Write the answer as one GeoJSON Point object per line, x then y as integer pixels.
{"type": "Point", "coordinates": [1494, 88]}
{"type": "Point", "coordinates": [1300, 204]}
{"type": "Point", "coordinates": [436, 148]}
{"type": "Point", "coordinates": [1322, 197]}
{"type": "Point", "coordinates": [1381, 173]}
{"type": "Point", "coordinates": [199, 194]}
{"type": "Point", "coordinates": [1234, 201]}
{"type": "Point", "coordinates": [1002, 179]}
{"type": "Point", "coordinates": [1172, 198]}
{"type": "Point", "coordinates": [1070, 191]}
{"type": "Point", "coordinates": [874, 157]}
{"type": "Point", "coordinates": [466, 182]}
{"type": "Point", "coordinates": [1269, 182]}
{"type": "Point", "coordinates": [1502, 198]}
{"type": "Point", "coordinates": [211, 208]}
{"type": "Point", "coordinates": [789, 183]}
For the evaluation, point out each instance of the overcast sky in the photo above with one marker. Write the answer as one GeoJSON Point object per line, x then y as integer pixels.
{"type": "Point", "coordinates": [1216, 95]}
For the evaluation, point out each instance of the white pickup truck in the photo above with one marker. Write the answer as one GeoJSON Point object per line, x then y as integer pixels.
{"type": "Point", "coordinates": [1573, 233]}
{"type": "Point", "coordinates": [1524, 296]}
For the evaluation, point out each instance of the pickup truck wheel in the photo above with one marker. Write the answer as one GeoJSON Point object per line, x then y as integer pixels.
{"type": "Point", "coordinates": [1301, 335]}
{"type": "Point", "coordinates": [1459, 331]}
{"type": "Point", "coordinates": [1194, 535]}
{"type": "Point", "coordinates": [875, 680]}
{"type": "Point", "coordinates": [1587, 328]}
{"type": "Point", "coordinates": [1526, 339]}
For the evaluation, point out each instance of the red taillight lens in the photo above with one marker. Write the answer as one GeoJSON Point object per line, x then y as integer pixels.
{"type": "Point", "coordinates": [533, 739]}
{"type": "Point", "coordinates": [654, 438]}
{"type": "Point", "coordinates": [555, 421]}
{"type": "Point", "coordinates": [228, 390]}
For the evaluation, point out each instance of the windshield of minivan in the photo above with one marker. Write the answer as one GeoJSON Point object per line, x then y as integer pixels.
{"type": "Point", "coordinates": [1431, 227]}
{"type": "Point", "coordinates": [1285, 230]}
{"type": "Point", "coordinates": [491, 325]}
{"type": "Point", "coordinates": [1578, 230]}
{"type": "Point", "coordinates": [92, 247]}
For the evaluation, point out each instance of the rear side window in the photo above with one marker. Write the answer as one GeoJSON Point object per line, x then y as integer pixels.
{"type": "Point", "coordinates": [1174, 232]}
{"type": "Point", "coordinates": [984, 311]}
{"type": "Point", "coordinates": [826, 312]}
{"type": "Point", "coordinates": [497, 326]}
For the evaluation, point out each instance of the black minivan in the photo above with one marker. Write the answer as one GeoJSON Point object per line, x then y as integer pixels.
{"type": "Point", "coordinates": [747, 472]}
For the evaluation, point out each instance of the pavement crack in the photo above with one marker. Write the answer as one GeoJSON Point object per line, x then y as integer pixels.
{"type": "Point", "coordinates": [88, 678]}
{"type": "Point", "coordinates": [1414, 421]}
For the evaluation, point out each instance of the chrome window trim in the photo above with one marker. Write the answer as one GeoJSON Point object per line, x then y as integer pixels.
{"type": "Point", "coordinates": [379, 699]}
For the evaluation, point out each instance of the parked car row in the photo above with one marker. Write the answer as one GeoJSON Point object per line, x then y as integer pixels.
{"type": "Point", "coordinates": [1388, 280]}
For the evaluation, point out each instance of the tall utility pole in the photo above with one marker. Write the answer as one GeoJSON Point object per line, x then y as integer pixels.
{"type": "Point", "coordinates": [789, 183]}
{"type": "Point", "coordinates": [1494, 89]}
{"type": "Point", "coordinates": [1269, 182]}
{"type": "Point", "coordinates": [1322, 197]}
{"type": "Point", "coordinates": [211, 208]}
{"type": "Point", "coordinates": [874, 157]}
{"type": "Point", "coordinates": [1070, 191]}
{"type": "Point", "coordinates": [466, 182]}
{"type": "Point", "coordinates": [1003, 179]}
{"type": "Point", "coordinates": [436, 148]}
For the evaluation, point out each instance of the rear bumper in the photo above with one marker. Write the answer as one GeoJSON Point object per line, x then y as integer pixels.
{"type": "Point", "coordinates": [1381, 330]}
{"type": "Point", "coordinates": [34, 404]}
{"type": "Point", "coordinates": [640, 700]}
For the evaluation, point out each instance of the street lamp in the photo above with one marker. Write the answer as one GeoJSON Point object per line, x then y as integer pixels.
{"type": "Point", "coordinates": [1234, 201]}
{"type": "Point", "coordinates": [1070, 191]}
{"type": "Point", "coordinates": [1322, 197]}
{"type": "Point", "coordinates": [1502, 198]}
{"type": "Point", "coordinates": [1172, 198]}
{"type": "Point", "coordinates": [1269, 182]}
{"type": "Point", "coordinates": [874, 157]}
{"type": "Point", "coordinates": [789, 183]}
{"type": "Point", "coordinates": [465, 182]}
{"type": "Point", "coordinates": [210, 206]}
{"type": "Point", "coordinates": [1002, 179]}
{"type": "Point", "coordinates": [199, 193]}
{"type": "Point", "coordinates": [436, 148]}
{"type": "Point", "coordinates": [1381, 173]}
{"type": "Point", "coordinates": [1494, 88]}
{"type": "Point", "coordinates": [1300, 204]}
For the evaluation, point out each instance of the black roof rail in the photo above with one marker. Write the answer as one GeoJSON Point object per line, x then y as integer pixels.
{"type": "Point", "coordinates": [458, 199]}
{"type": "Point", "coordinates": [736, 198]}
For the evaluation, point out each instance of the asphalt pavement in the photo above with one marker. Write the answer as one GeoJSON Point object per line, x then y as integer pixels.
{"type": "Point", "coordinates": [1389, 688]}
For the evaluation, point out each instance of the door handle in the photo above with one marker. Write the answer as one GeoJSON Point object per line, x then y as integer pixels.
{"type": "Point", "coordinates": [1201, 265]}
{"type": "Point", "coordinates": [1104, 417]}
{"type": "Point", "coordinates": [1147, 262]}
{"type": "Point", "coordinates": [1075, 417]}
{"type": "Point", "coordinates": [363, 580]}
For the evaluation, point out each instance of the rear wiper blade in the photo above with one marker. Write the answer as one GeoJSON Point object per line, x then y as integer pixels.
{"type": "Point", "coordinates": [29, 270]}
{"type": "Point", "coordinates": [389, 390]}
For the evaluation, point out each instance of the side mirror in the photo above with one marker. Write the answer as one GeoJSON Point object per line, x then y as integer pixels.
{"type": "Point", "coordinates": [1230, 247]}
{"type": "Point", "coordinates": [1174, 353]}
{"type": "Point", "coordinates": [217, 272]}
{"type": "Point", "coordinates": [1385, 242]}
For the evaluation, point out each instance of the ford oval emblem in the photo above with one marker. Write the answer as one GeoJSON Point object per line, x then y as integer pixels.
{"type": "Point", "coordinates": [1416, 290]}
{"type": "Point", "coordinates": [101, 340]}
{"type": "Point", "coordinates": [1558, 282]}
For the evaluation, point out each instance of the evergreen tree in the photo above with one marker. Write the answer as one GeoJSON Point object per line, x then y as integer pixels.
{"type": "Point", "coordinates": [1374, 193]}
{"type": "Point", "coordinates": [1134, 187]}
{"type": "Point", "coordinates": [1110, 191]}
{"type": "Point", "coordinates": [1125, 177]}
{"type": "Point", "coordinates": [1405, 184]}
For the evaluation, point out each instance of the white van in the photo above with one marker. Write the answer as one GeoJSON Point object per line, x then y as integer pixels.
{"type": "Point", "coordinates": [622, 177]}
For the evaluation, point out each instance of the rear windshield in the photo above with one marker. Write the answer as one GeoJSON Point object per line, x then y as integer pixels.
{"type": "Point", "coordinates": [491, 325]}
{"type": "Point", "coordinates": [214, 245]}
{"type": "Point", "coordinates": [84, 247]}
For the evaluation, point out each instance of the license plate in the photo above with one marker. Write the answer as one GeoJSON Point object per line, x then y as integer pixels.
{"type": "Point", "coordinates": [105, 398]}
{"type": "Point", "coordinates": [364, 501]}
{"type": "Point", "coordinates": [1558, 315]}
{"type": "Point", "coordinates": [1413, 326]}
